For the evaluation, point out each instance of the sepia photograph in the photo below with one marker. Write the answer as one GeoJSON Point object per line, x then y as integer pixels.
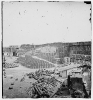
{"type": "Point", "coordinates": [46, 49]}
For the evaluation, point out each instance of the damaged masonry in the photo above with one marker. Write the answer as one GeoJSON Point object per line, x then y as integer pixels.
{"type": "Point", "coordinates": [55, 70]}
{"type": "Point", "coordinates": [46, 49]}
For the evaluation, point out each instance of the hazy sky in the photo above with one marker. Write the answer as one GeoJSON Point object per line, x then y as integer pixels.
{"type": "Point", "coordinates": [45, 22]}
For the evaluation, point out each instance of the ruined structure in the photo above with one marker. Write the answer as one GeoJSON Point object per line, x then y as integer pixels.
{"type": "Point", "coordinates": [74, 52]}
{"type": "Point", "coordinates": [11, 51]}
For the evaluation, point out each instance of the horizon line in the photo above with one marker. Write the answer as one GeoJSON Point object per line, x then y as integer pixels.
{"type": "Point", "coordinates": [44, 43]}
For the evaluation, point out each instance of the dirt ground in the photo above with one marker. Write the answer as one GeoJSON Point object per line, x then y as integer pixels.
{"type": "Point", "coordinates": [15, 81]}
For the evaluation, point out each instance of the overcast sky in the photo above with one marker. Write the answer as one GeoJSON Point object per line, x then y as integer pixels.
{"type": "Point", "coordinates": [45, 22]}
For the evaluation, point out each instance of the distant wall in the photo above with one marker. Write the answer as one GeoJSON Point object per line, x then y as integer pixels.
{"type": "Point", "coordinates": [76, 51]}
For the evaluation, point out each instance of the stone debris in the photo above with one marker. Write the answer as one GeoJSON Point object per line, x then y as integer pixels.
{"type": "Point", "coordinates": [47, 85]}
{"type": "Point", "coordinates": [10, 88]}
{"type": "Point", "coordinates": [10, 65]}
{"type": "Point", "coordinates": [16, 79]}
{"type": "Point", "coordinates": [12, 83]}
{"type": "Point", "coordinates": [11, 77]}
{"type": "Point", "coordinates": [22, 79]}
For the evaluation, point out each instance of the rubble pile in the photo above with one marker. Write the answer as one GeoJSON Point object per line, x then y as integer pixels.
{"type": "Point", "coordinates": [48, 86]}
{"type": "Point", "coordinates": [10, 65]}
{"type": "Point", "coordinates": [45, 86]}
